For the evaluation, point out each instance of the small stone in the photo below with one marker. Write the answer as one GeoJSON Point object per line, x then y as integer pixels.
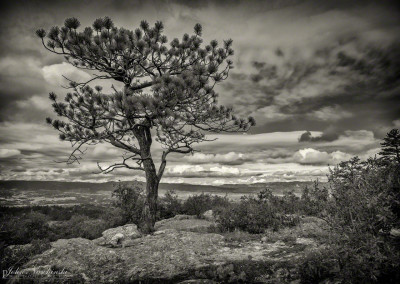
{"type": "Point", "coordinates": [209, 215]}
{"type": "Point", "coordinates": [116, 236]}
{"type": "Point", "coordinates": [117, 239]}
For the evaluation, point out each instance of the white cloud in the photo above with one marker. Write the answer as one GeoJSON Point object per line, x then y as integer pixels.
{"type": "Point", "coordinates": [263, 157]}
{"type": "Point", "coordinates": [269, 114]}
{"type": "Point", "coordinates": [370, 153]}
{"type": "Point", "coordinates": [228, 158]}
{"type": "Point", "coordinates": [226, 170]}
{"type": "Point", "coordinates": [105, 151]}
{"type": "Point", "coordinates": [312, 156]}
{"type": "Point", "coordinates": [37, 101]}
{"type": "Point", "coordinates": [11, 66]}
{"type": "Point", "coordinates": [339, 156]}
{"type": "Point", "coordinates": [193, 171]}
{"type": "Point", "coordinates": [251, 180]}
{"type": "Point", "coordinates": [30, 136]}
{"type": "Point", "coordinates": [355, 141]}
{"type": "Point", "coordinates": [182, 170]}
{"type": "Point", "coordinates": [330, 113]}
{"type": "Point", "coordinates": [53, 74]}
{"type": "Point", "coordinates": [6, 153]}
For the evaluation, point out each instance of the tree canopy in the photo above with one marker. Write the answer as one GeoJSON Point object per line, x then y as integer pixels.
{"type": "Point", "coordinates": [391, 145]}
{"type": "Point", "coordinates": [180, 105]}
{"type": "Point", "coordinates": [168, 91]}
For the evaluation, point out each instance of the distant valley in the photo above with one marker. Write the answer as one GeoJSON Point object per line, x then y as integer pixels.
{"type": "Point", "coordinates": [23, 193]}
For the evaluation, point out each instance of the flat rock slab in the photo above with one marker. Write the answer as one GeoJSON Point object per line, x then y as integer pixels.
{"type": "Point", "coordinates": [81, 259]}
{"type": "Point", "coordinates": [184, 224]}
{"type": "Point", "coordinates": [169, 256]}
{"type": "Point", "coordinates": [173, 253]}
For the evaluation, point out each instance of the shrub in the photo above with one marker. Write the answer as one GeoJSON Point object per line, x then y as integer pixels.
{"type": "Point", "coordinates": [344, 263]}
{"type": "Point", "coordinates": [361, 197]}
{"type": "Point", "coordinates": [219, 201]}
{"type": "Point", "coordinates": [314, 200]}
{"type": "Point", "coordinates": [371, 261]}
{"type": "Point", "coordinates": [130, 199]}
{"type": "Point", "coordinates": [114, 217]}
{"type": "Point", "coordinates": [250, 215]}
{"type": "Point", "coordinates": [25, 228]}
{"type": "Point", "coordinates": [256, 214]}
{"type": "Point", "coordinates": [84, 227]}
{"type": "Point", "coordinates": [197, 204]}
{"type": "Point", "coordinates": [361, 211]}
{"type": "Point", "coordinates": [16, 256]}
{"type": "Point", "coordinates": [290, 203]}
{"type": "Point", "coordinates": [56, 212]}
{"type": "Point", "coordinates": [169, 205]}
{"type": "Point", "coordinates": [318, 266]}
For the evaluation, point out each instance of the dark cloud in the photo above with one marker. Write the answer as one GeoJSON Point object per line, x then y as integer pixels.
{"type": "Point", "coordinates": [18, 170]}
{"type": "Point", "coordinates": [265, 72]}
{"type": "Point", "coordinates": [305, 137]}
{"type": "Point", "coordinates": [279, 52]}
{"type": "Point", "coordinates": [258, 65]}
{"type": "Point", "coordinates": [330, 134]}
{"type": "Point", "coordinates": [333, 88]}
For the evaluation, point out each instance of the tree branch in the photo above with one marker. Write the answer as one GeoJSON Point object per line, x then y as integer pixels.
{"type": "Point", "coordinates": [123, 164]}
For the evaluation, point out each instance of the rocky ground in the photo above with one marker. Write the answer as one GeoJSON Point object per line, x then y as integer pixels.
{"type": "Point", "coordinates": [183, 249]}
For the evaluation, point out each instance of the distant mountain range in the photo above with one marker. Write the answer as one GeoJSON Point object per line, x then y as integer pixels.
{"type": "Point", "coordinates": [278, 187]}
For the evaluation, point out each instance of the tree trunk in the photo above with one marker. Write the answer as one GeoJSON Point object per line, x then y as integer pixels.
{"type": "Point", "coordinates": [148, 218]}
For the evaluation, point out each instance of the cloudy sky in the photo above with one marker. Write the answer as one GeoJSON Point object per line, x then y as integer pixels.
{"type": "Point", "coordinates": [321, 78]}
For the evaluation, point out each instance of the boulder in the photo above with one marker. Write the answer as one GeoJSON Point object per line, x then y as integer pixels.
{"type": "Point", "coordinates": [119, 236]}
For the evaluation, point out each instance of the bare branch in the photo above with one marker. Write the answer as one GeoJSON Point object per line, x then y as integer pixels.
{"type": "Point", "coordinates": [76, 154]}
{"type": "Point", "coordinates": [84, 83]}
{"type": "Point", "coordinates": [123, 164]}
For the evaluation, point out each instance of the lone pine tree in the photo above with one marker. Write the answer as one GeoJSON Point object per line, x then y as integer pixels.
{"type": "Point", "coordinates": [391, 145]}
{"type": "Point", "coordinates": [168, 94]}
